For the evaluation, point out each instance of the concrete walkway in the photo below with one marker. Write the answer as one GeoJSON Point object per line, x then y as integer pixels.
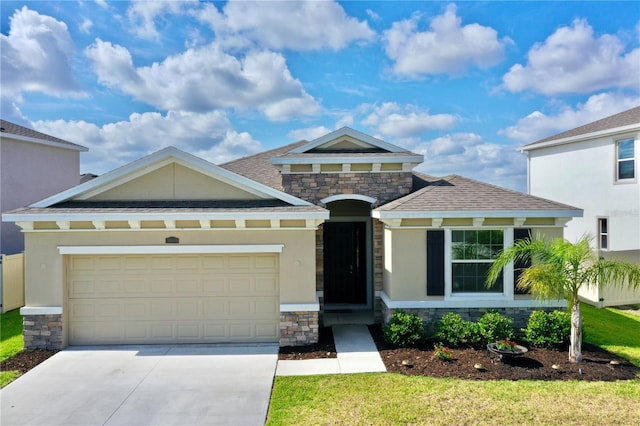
{"type": "Point", "coordinates": [356, 354]}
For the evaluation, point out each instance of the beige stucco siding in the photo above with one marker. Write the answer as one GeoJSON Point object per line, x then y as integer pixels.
{"type": "Point", "coordinates": [405, 255]}
{"type": "Point", "coordinates": [405, 264]}
{"type": "Point", "coordinates": [174, 182]}
{"type": "Point", "coordinates": [45, 265]}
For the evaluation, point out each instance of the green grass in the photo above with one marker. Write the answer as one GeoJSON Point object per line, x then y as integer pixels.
{"type": "Point", "coordinates": [390, 399]}
{"type": "Point", "coordinates": [11, 341]}
{"type": "Point", "coordinates": [394, 399]}
{"type": "Point", "coordinates": [614, 330]}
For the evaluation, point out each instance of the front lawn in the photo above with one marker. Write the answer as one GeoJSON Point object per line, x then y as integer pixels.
{"type": "Point", "coordinates": [11, 341]}
{"type": "Point", "coordinates": [385, 399]}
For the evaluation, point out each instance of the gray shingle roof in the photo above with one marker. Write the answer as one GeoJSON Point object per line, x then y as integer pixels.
{"type": "Point", "coordinates": [258, 167]}
{"type": "Point", "coordinates": [625, 118]}
{"type": "Point", "coordinates": [9, 128]}
{"type": "Point", "coordinates": [457, 193]}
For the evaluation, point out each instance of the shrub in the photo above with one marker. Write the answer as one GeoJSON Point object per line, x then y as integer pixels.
{"type": "Point", "coordinates": [493, 327]}
{"type": "Point", "coordinates": [546, 329]}
{"type": "Point", "coordinates": [452, 330]}
{"type": "Point", "coordinates": [404, 329]}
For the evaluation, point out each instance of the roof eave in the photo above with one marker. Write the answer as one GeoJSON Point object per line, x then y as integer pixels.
{"type": "Point", "coordinates": [583, 137]}
{"type": "Point", "coordinates": [70, 145]}
{"type": "Point", "coordinates": [409, 158]}
{"type": "Point", "coordinates": [423, 214]}
{"type": "Point", "coordinates": [123, 216]}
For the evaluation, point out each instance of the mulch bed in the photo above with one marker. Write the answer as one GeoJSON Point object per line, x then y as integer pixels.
{"type": "Point", "coordinates": [534, 365]}
{"type": "Point", "coordinates": [325, 348]}
{"type": "Point", "coordinates": [26, 360]}
{"type": "Point", "coordinates": [537, 364]}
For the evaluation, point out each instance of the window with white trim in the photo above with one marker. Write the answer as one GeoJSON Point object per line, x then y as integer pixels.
{"type": "Point", "coordinates": [472, 254]}
{"type": "Point", "coordinates": [625, 160]}
{"type": "Point", "coordinates": [603, 233]}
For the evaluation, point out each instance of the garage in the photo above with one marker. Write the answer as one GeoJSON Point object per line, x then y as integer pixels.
{"type": "Point", "coordinates": [173, 298]}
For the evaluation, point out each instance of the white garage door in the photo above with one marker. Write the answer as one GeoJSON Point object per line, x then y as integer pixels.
{"type": "Point", "coordinates": [173, 298]}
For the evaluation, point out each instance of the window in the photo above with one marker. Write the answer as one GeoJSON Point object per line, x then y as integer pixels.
{"type": "Point", "coordinates": [472, 254]}
{"type": "Point", "coordinates": [625, 163]}
{"type": "Point", "coordinates": [603, 234]}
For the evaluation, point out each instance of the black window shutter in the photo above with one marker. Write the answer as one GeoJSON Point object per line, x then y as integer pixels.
{"type": "Point", "coordinates": [520, 234]}
{"type": "Point", "coordinates": [435, 263]}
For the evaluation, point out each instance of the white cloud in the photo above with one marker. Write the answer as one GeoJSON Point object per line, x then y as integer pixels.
{"type": "Point", "coordinates": [86, 25]}
{"type": "Point", "coordinates": [299, 25]}
{"type": "Point", "coordinates": [467, 154]}
{"type": "Point", "coordinates": [309, 133]}
{"type": "Point", "coordinates": [538, 125]}
{"type": "Point", "coordinates": [205, 78]}
{"type": "Point", "coordinates": [446, 48]}
{"type": "Point", "coordinates": [392, 119]}
{"type": "Point", "coordinates": [573, 60]}
{"type": "Point", "coordinates": [142, 15]}
{"type": "Point", "coordinates": [102, 3]}
{"type": "Point", "coordinates": [210, 136]}
{"type": "Point", "coordinates": [37, 55]}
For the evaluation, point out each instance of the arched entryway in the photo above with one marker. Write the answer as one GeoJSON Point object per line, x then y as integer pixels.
{"type": "Point", "coordinates": [348, 254]}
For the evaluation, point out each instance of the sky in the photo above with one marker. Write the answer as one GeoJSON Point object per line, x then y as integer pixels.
{"type": "Point", "coordinates": [464, 83]}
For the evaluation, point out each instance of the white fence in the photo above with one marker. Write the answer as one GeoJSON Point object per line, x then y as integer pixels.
{"type": "Point", "coordinates": [12, 282]}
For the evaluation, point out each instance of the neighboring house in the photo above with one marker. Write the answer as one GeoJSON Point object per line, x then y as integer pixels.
{"type": "Point", "coordinates": [595, 167]}
{"type": "Point", "coordinates": [32, 166]}
{"type": "Point", "coordinates": [171, 248]}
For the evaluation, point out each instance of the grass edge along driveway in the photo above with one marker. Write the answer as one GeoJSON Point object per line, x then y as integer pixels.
{"type": "Point", "coordinates": [390, 399]}
{"type": "Point", "coordinates": [11, 342]}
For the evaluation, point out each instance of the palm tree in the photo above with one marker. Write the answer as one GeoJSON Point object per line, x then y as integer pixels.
{"type": "Point", "coordinates": [559, 269]}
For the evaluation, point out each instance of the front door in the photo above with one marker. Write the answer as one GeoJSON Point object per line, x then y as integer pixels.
{"type": "Point", "coordinates": [345, 263]}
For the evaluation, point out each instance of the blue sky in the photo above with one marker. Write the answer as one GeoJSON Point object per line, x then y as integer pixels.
{"type": "Point", "coordinates": [464, 83]}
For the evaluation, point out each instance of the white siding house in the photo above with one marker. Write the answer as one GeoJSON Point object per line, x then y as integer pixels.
{"type": "Point", "coordinates": [595, 167]}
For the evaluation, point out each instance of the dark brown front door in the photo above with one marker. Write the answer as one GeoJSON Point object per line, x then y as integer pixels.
{"type": "Point", "coordinates": [345, 263]}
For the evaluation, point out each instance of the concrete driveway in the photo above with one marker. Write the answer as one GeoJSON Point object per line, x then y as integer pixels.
{"type": "Point", "coordinates": [145, 385]}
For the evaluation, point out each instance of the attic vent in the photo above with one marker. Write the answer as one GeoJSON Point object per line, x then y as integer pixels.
{"type": "Point", "coordinates": [172, 240]}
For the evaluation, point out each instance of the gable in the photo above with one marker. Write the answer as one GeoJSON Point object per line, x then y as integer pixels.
{"type": "Point", "coordinates": [170, 174]}
{"type": "Point", "coordinates": [346, 144]}
{"type": "Point", "coordinates": [174, 182]}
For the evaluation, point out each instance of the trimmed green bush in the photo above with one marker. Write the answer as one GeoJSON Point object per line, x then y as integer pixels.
{"type": "Point", "coordinates": [493, 327]}
{"type": "Point", "coordinates": [548, 329]}
{"type": "Point", "coordinates": [452, 330]}
{"type": "Point", "coordinates": [404, 330]}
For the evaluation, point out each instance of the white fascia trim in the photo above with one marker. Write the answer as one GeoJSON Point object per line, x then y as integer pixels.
{"type": "Point", "coordinates": [304, 307]}
{"type": "Point", "coordinates": [74, 147]}
{"type": "Point", "coordinates": [347, 159]}
{"type": "Point", "coordinates": [41, 310]}
{"type": "Point", "coordinates": [584, 137]}
{"type": "Point", "coordinates": [71, 217]}
{"type": "Point", "coordinates": [341, 197]}
{"type": "Point", "coordinates": [159, 159]}
{"type": "Point", "coordinates": [346, 131]}
{"type": "Point", "coordinates": [471, 303]}
{"type": "Point", "coordinates": [479, 213]}
{"type": "Point", "coordinates": [173, 249]}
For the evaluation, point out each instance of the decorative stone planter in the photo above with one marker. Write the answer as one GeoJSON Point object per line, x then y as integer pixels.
{"type": "Point", "coordinates": [506, 353]}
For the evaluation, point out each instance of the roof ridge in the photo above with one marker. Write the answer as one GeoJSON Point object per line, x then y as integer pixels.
{"type": "Point", "coordinates": [262, 153]}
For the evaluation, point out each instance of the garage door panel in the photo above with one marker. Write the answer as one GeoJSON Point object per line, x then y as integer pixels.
{"type": "Point", "coordinates": [173, 298]}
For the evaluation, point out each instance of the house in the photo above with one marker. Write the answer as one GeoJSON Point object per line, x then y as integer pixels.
{"type": "Point", "coordinates": [33, 166]}
{"type": "Point", "coordinates": [171, 248]}
{"type": "Point", "coordinates": [595, 167]}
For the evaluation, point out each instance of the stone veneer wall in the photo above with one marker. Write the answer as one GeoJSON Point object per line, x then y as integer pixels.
{"type": "Point", "coordinates": [429, 315]}
{"type": "Point", "coordinates": [313, 187]}
{"type": "Point", "coordinates": [299, 328]}
{"type": "Point", "coordinates": [42, 331]}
